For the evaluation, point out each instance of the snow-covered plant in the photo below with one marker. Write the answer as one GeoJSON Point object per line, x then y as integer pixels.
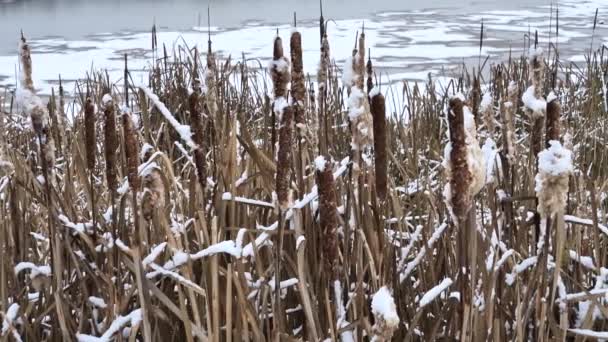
{"type": "Point", "coordinates": [385, 315]}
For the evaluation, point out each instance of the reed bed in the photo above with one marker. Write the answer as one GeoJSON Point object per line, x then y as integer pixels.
{"type": "Point", "coordinates": [225, 207]}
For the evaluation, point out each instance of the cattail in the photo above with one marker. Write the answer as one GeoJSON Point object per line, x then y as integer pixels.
{"type": "Point", "coordinates": [111, 141]}
{"type": "Point", "coordinates": [370, 74]}
{"type": "Point", "coordinates": [324, 67]}
{"type": "Point", "coordinates": [475, 99]}
{"type": "Point", "coordinates": [284, 159]}
{"type": "Point", "coordinates": [361, 121]}
{"type": "Point", "coordinates": [328, 216]}
{"type": "Point", "coordinates": [153, 197]}
{"type": "Point", "coordinates": [298, 86]}
{"type": "Point", "coordinates": [457, 192]}
{"type": "Point", "coordinates": [90, 140]}
{"type": "Point", "coordinates": [279, 70]}
{"type": "Point", "coordinates": [508, 125]}
{"type": "Point", "coordinates": [378, 109]}
{"type": "Point", "coordinates": [48, 148]}
{"type": "Point", "coordinates": [533, 100]}
{"type": "Point", "coordinates": [553, 116]}
{"type": "Point", "coordinates": [359, 63]}
{"type": "Point", "coordinates": [196, 121]}
{"type": "Point", "coordinates": [211, 82]}
{"type": "Point", "coordinates": [131, 150]}
{"type": "Point", "coordinates": [25, 56]}
{"type": "Point", "coordinates": [552, 181]}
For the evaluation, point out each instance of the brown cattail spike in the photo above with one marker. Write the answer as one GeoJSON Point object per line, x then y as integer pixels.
{"type": "Point", "coordinates": [328, 216]}
{"type": "Point", "coordinates": [111, 141]}
{"type": "Point", "coordinates": [298, 86]}
{"type": "Point", "coordinates": [131, 150]}
{"type": "Point", "coordinates": [284, 159]}
{"type": "Point", "coordinates": [370, 73]}
{"type": "Point", "coordinates": [279, 69]}
{"type": "Point", "coordinates": [461, 177]}
{"type": "Point", "coordinates": [378, 109]}
{"type": "Point", "coordinates": [153, 197]}
{"type": "Point", "coordinates": [90, 140]}
{"type": "Point", "coordinates": [196, 121]}
{"type": "Point", "coordinates": [26, 64]}
{"type": "Point", "coordinates": [553, 125]}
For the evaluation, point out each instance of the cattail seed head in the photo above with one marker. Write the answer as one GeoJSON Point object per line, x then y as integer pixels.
{"type": "Point", "coordinates": [196, 121]}
{"type": "Point", "coordinates": [370, 75]}
{"type": "Point", "coordinates": [328, 215]}
{"type": "Point", "coordinates": [111, 141]}
{"type": "Point", "coordinates": [25, 57]}
{"type": "Point", "coordinates": [131, 150]}
{"type": "Point", "coordinates": [279, 69]}
{"type": "Point", "coordinates": [284, 159]}
{"type": "Point", "coordinates": [460, 178]}
{"type": "Point", "coordinates": [153, 197]}
{"type": "Point", "coordinates": [378, 109]}
{"type": "Point", "coordinates": [90, 139]}
{"type": "Point", "coordinates": [553, 117]}
{"type": "Point", "coordinates": [298, 85]}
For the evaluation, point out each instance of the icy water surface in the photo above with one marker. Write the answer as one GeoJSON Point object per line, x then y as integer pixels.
{"type": "Point", "coordinates": [408, 39]}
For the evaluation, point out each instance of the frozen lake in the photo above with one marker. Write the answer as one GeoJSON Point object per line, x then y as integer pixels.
{"type": "Point", "coordinates": [407, 38]}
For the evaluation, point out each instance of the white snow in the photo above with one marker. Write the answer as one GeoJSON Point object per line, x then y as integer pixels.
{"type": "Point", "coordinates": [375, 91]}
{"type": "Point", "coordinates": [532, 103]}
{"type": "Point", "coordinates": [590, 333]}
{"type": "Point", "coordinates": [435, 292]}
{"type": "Point", "coordinates": [383, 305]}
{"type": "Point", "coordinates": [34, 269]}
{"type": "Point", "coordinates": [348, 75]}
{"type": "Point", "coordinates": [556, 160]}
{"type": "Point", "coordinates": [226, 196]}
{"type": "Point", "coordinates": [10, 318]}
{"type": "Point", "coordinates": [97, 302]}
{"type": "Point", "coordinates": [320, 163]}
{"type": "Point", "coordinates": [132, 319]}
{"type": "Point", "coordinates": [81, 227]}
{"type": "Point", "coordinates": [585, 261]}
{"type": "Point", "coordinates": [486, 102]}
{"type": "Point", "coordinates": [156, 251]}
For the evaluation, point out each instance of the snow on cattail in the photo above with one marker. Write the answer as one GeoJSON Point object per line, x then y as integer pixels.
{"type": "Point", "coordinates": [89, 132]}
{"type": "Point", "coordinates": [131, 149]}
{"type": "Point", "coordinates": [153, 197]}
{"type": "Point", "coordinates": [328, 215]}
{"type": "Point", "coordinates": [554, 169]}
{"type": "Point", "coordinates": [534, 102]}
{"type": "Point", "coordinates": [284, 159]}
{"type": "Point", "coordinates": [385, 315]}
{"type": "Point", "coordinates": [111, 140]}
{"type": "Point", "coordinates": [298, 86]}
{"type": "Point", "coordinates": [378, 110]}
{"type": "Point", "coordinates": [464, 161]}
